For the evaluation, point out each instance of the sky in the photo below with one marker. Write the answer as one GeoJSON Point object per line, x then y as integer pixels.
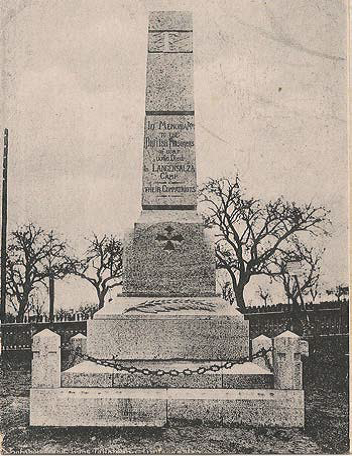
{"type": "Point", "coordinates": [270, 99]}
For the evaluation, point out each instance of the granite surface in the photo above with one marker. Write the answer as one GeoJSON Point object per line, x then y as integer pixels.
{"type": "Point", "coordinates": [154, 407]}
{"type": "Point", "coordinates": [182, 215]}
{"type": "Point", "coordinates": [230, 406]}
{"type": "Point", "coordinates": [169, 82]}
{"type": "Point", "coordinates": [46, 362]}
{"type": "Point", "coordinates": [169, 259]}
{"type": "Point", "coordinates": [89, 374]}
{"type": "Point", "coordinates": [168, 337]}
{"type": "Point", "coordinates": [172, 257]}
{"type": "Point", "coordinates": [259, 343]}
{"type": "Point", "coordinates": [134, 307]}
{"type": "Point", "coordinates": [170, 20]}
{"type": "Point", "coordinates": [96, 407]}
{"type": "Point", "coordinates": [287, 360]}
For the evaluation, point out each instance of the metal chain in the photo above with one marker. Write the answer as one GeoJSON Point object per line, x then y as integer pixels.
{"type": "Point", "coordinates": [262, 353]}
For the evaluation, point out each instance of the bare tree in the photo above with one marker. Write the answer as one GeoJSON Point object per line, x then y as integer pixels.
{"type": "Point", "coordinates": [36, 304]}
{"type": "Point", "coordinates": [314, 292]}
{"type": "Point", "coordinates": [33, 255]}
{"type": "Point", "coordinates": [296, 285]}
{"type": "Point", "coordinates": [339, 291]}
{"type": "Point", "coordinates": [63, 314]}
{"type": "Point", "coordinates": [264, 293]}
{"type": "Point", "coordinates": [87, 309]}
{"type": "Point", "coordinates": [249, 232]}
{"type": "Point", "coordinates": [102, 265]}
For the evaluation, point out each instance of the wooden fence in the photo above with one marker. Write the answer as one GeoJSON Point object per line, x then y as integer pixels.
{"type": "Point", "coordinates": [75, 316]}
{"type": "Point", "coordinates": [324, 319]}
{"type": "Point", "coordinates": [327, 319]}
{"type": "Point", "coordinates": [18, 336]}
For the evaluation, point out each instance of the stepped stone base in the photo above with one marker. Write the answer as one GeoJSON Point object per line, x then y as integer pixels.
{"type": "Point", "coordinates": [69, 407]}
{"type": "Point", "coordinates": [88, 374]}
{"type": "Point", "coordinates": [193, 328]}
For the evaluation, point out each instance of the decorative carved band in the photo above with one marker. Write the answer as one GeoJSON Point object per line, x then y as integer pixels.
{"type": "Point", "coordinates": [170, 42]}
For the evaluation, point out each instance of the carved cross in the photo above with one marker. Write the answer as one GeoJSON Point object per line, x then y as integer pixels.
{"type": "Point", "coordinates": [169, 239]}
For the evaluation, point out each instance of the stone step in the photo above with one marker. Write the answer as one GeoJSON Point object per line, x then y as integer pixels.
{"type": "Point", "coordinates": [242, 376]}
{"type": "Point", "coordinates": [157, 407]}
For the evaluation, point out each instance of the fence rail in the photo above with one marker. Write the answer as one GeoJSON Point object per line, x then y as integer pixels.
{"type": "Point", "coordinates": [308, 306]}
{"type": "Point", "coordinates": [324, 319]}
{"type": "Point", "coordinates": [18, 336]}
{"type": "Point", "coordinates": [77, 316]}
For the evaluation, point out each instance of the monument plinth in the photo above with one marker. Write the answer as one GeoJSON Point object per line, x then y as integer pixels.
{"type": "Point", "coordinates": [169, 328]}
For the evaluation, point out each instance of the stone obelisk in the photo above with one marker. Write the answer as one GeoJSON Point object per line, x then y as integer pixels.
{"type": "Point", "coordinates": [168, 254]}
{"type": "Point", "coordinates": [169, 308]}
{"type": "Point", "coordinates": [172, 337]}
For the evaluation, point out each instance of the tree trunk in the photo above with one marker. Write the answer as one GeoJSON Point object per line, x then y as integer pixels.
{"type": "Point", "coordinates": [22, 307]}
{"type": "Point", "coordinates": [101, 296]}
{"type": "Point", "coordinates": [239, 294]}
{"type": "Point", "coordinates": [20, 315]}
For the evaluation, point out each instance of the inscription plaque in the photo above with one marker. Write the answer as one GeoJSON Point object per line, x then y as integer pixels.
{"type": "Point", "coordinates": [169, 164]}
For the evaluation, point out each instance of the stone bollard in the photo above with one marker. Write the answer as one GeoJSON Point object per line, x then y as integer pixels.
{"type": "Point", "coordinates": [46, 362]}
{"type": "Point", "coordinates": [78, 343]}
{"type": "Point", "coordinates": [263, 342]}
{"type": "Point", "coordinates": [288, 350]}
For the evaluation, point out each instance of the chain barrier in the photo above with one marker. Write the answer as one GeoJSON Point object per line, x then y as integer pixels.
{"type": "Point", "coordinates": [262, 353]}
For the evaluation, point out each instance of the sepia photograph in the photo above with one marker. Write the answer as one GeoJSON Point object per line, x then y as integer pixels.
{"type": "Point", "coordinates": [174, 227]}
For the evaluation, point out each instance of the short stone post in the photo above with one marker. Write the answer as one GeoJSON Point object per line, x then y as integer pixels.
{"type": "Point", "coordinates": [288, 350]}
{"type": "Point", "coordinates": [46, 362]}
{"type": "Point", "coordinates": [257, 344]}
{"type": "Point", "coordinates": [77, 345]}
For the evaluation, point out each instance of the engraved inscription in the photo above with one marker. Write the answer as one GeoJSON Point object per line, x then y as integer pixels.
{"type": "Point", "coordinates": [169, 171]}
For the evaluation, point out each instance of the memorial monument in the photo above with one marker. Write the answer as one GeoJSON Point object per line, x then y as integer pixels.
{"type": "Point", "coordinates": [178, 347]}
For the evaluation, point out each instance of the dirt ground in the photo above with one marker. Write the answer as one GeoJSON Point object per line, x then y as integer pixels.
{"type": "Point", "coordinates": [326, 428]}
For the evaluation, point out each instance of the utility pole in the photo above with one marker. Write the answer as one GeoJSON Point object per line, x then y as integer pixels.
{"type": "Point", "coordinates": [4, 227]}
